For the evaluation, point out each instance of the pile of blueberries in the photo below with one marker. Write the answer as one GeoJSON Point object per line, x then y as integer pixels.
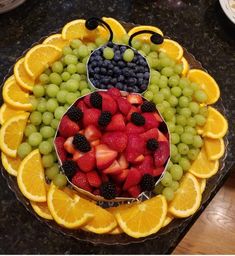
{"type": "Point", "coordinates": [130, 76]}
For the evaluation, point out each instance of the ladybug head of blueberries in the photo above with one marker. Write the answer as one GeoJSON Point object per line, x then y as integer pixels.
{"type": "Point", "coordinates": [119, 66]}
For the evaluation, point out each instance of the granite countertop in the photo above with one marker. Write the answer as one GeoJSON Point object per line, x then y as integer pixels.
{"type": "Point", "coordinates": [198, 25]}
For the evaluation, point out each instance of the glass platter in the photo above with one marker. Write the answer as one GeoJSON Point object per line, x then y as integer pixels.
{"type": "Point", "coordinates": [177, 224]}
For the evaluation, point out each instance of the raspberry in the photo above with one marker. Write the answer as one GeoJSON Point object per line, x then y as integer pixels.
{"type": "Point", "coordinates": [148, 107]}
{"type": "Point", "coordinates": [108, 190]}
{"type": "Point", "coordinates": [81, 143]}
{"type": "Point", "coordinates": [137, 119]}
{"type": "Point", "coordinates": [104, 118]}
{"type": "Point", "coordinates": [75, 113]}
{"type": "Point", "coordinates": [96, 100]}
{"type": "Point", "coordinates": [147, 182]}
{"type": "Point", "coordinates": [69, 167]}
{"type": "Point", "coordinates": [152, 144]}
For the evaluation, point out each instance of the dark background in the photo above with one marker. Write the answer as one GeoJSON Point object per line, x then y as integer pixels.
{"type": "Point", "coordinates": [200, 26]}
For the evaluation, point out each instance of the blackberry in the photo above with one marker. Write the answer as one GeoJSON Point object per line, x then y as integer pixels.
{"type": "Point", "coordinates": [69, 167]}
{"type": "Point", "coordinates": [148, 107]}
{"type": "Point", "coordinates": [81, 143]}
{"type": "Point", "coordinates": [152, 144]}
{"type": "Point", "coordinates": [75, 114]}
{"type": "Point", "coordinates": [104, 119]}
{"type": "Point", "coordinates": [96, 98]}
{"type": "Point", "coordinates": [163, 127]}
{"type": "Point", "coordinates": [108, 190]}
{"type": "Point", "coordinates": [147, 182]}
{"type": "Point", "coordinates": [137, 119]}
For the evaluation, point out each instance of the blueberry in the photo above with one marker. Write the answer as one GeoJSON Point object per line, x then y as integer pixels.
{"type": "Point", "coordinates": [121, 78]}
{"type": "Point", "coordinates": [121, 63]}
{"type": "Point", "coordinates": [109, 86]}
{"type": "Point", "coordinates": [110, 44]}
{"type": "Point", "coordinates": [119, 86]}
{"type": "Point", "coordinates": [110, 72]}
{"type": "Point", "coordinates": [124, 87]}
{"type": "Point", "coordinates": [110, 66]}
{"type": "Point", "coordinates": [103, 71]}
{"type": "Point", "coordinates": [132, 81]}
{"type": "Point", "coordinates": [113, 81]}
{"type": "Point", "coordinates": [97, 76]}
{"type": "Point", "coordinates": [116, 47]}
{"type": "Point", "coordinates": [146, 75]}
{"type": "Point", "coordinates": [146, 69]}
{"type": "Point", "coordinates": [129, 89]}
{"type": "Point", "coordinates": [140, 75]}
{"type": "Point", "coordinates": [117, 70]}
{"type": "Point", "coordinates": [140, 81]}
{"type": "Point", "coordinates": [97, 70]}
{"type": "Point", "coordinates": [123, 48]}
{"type": "Point", "coordinates": [135, 59]}
{"type": "Point", "coordinates": [117, 57]}
{"type": "Point", "coordinates": [143, 87]}
{"type": "Point", "coordinates": [140, 69]}
{"type": "Point", "coordinates": [130, 65]}
{"type": "Point", "coordinates": [135, 89]}
{"type": "Point", "coordinates": [102, 86]}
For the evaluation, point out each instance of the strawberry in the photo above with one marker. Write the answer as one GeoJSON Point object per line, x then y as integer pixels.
{"type": "Point", "coordinates": [135, 147]}
{"type": "Point", "coordinates": [132, 110]}
{"type": "Point", "coordinates": [108, 103]}
{"type": "Point", "coordinates": [162, 153]}
{"type": "Point", "coordinates": [150, 134]}
{"type": "Point", "coordinates": [80, 180]}
{"type": "Point", "coordinates": [123, 105]}
{"type": "Point", "coordinates": [157, 116]}
{"type": "Point", "coordinates": [121, 177]}
{"type": "Point", "coordinates": [162, 137]}
{"type": "Point", "coordinates": [134, 129]}
{"type": "Point", "coordinates": [92, 132]}
{"type": "Point", "coordinates": [115, 140]}
{"type": "Point", "coordinates": [150, 121]}
{"type": "Point", "coordinates": [138, 159]}
{"type": "Point", "coordinates": [158, 171]}
{"type": "Point", "coordinates": [104, 156]}
{"type": "Point", "coordinates": [134, 191]}
{"type": "Point", "coordinates": [77, 154]}
{"type": "Point", "coordinates": [104, 178]}
{"type": "Point", "coordinates": [114, 168]}
{"type": "Point", "coordinates": [86, 100]}
{"type": "Point", "coordinates": [135, 98]}
{"type": "Point", "coordinates": [81, 132]}
{"type": "Point", "coordinates": [81, 105]}
{"type": "Point", "coordinates": [147, 166]}
{"type": "Point", "coordinates": [59, 143]}
{"type": "Point", "coordinates": [86, 162]}
{"type": "Point", "coordinates": [68, 128]}
{"type": "Point", "coordinates": [91, 116]}
{"type": "Point", "coordinates": [114, 93]}
{"type": "Point", "coordinates": [68, 145]}
{"type": "Point", "coordinates": [122, 161]}
{"type": "Point", "coordinates": [94, 179]}
{"type": "Point", "coordinates": [117, 123]}
{"type": "Point", "coordinates": [95, 143]}
{"type": "Point", "coordinates": [133, 178]}
{"type": "Point", "coordinates": [118, 190]}
{"type": "Point", "coordinates": [96, 192]}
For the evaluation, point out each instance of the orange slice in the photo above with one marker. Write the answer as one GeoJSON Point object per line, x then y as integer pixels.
{"type": "Point", "coordinates": [6, 112]}
{"type": "Point", "coordinates": [207, 83]}
{"type": "Point", "coordinates": [144, 37]}
{"type": "Point", "coordinates": [12, 77]}
{"type": "Point", "coordinates": [15, 96]}
{"type": "Point", "coordinates": [42, 210]}
{"type": "Point", "coordinates": [10, 164]}
{"type": "Point", "coordinates": [39, 58]}
{"type": "Point", "coordinates": [216, 125]}
{"type": "Point", "coordinates": [56, 40]}
{"type": "Point", "coordinates": [187, 197]}
{"type": "Point", "coordinates": [185, 66]}
{"type": "Point", "coordinates": [172, 49]}
{"type": "Point", "coordinates": [68, 211]}
{"type": "Point", "coordinates": [142, 219]}
{"type": "Point", "coordinates": [31, 177]}
{"type": "Point", "coordinates": [117, 28]}
{"type": "Point", "coordinates": [168, 219]}
{"type": "Point", "coordinates": [22, 77]}
{"type": "Point", "coordinates": [117, 230]}
{"type": "Point", "coordinates": [214, 148]}
{"type": "Point", "coordinates": [11, 134]}
{"type": "Point", "coordinates": [202, 183]}
{"type": "Point", "coordinates": [202, 167]}
{"type": "Point", "coordinates": [77, 29]}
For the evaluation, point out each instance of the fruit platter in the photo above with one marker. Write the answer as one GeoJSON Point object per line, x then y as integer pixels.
{"type": "Point", "coordinates": [111, 133]}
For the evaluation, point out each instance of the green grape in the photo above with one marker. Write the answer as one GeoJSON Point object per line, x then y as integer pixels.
{"type": "Point", "coordinates": [153, 55]}
{"type": "Point", "coordinates": [154, 47]}
{"type": "Point", "coordinates": [76, 77]}
{"type": "Point", "coordinates": [173, 100]}
{"type": "Point", "coordinates": [81, 68]}
{"type": "Point", "coordinates": [128, 55]}
{"type": "Point", "coordinates": [197, 141]}
{"type": "Point", "coordinates": [173, 81]}
{"type": "Point", "coordinates": [160, 108]}
{"type": "Point", "coordinates": [65, 76]}
{"type": "Point", "coordinates": [47, 118]}
{"type": "Point", "coordinates": [63, 86]}
{"type": "Point", "coordinates": [84, 60]}
{"type": "Point", "coordinates": [179, 129]}
{"type": "Point", "coordinates": [52, 90]}
{"type": "Point", "coordinates": [164, 61]}
{"type": "Point", "coordinates": [54, 154]}
{"type": "Point", "coordinates": [75, 43]}
{"type": "Point", "coordinates": [57, 67]}
{"type": "Point", "coordinates": [108, 53]}
{"type": "Point", "coordinates": [194, 107]}
{"type": "Point", "coordinates": [163, 55]}
{"type": "Point", "coordinates": [61, 96]}
{"type": "Point", "coordinates": [85, 91]}
{"type": "Point", "coordinates": [162, 83]}
{"type": "Point", "coordinates": [168, 193]}
{"type": "Point", "coordinates": [200, 120]}
{"type": "Point", "coordinates": [153, 88]}
{"type": "Point", "coordinates": [78, 94]}
{"type": "Point", "coordinates": [35, 139]}
{"type": "Point", "coordinates": [150, 61]}
{"type": "Point", "coordinates": [175, 185]}
{"type": "Point", "coordinates": [67, 50]}
{"type": "Point", "coordinates": [60, 180]}
{"type": "Point", "coordinates": [34, 102]}
{"type": "Point", "coordinates": [55, 78]}
{"type": "Point", "coordinates": [83, 85]}
{"type": "Point", "coordinates": [178, 68]}
{"type": "Point", "coordinates": [166, 104]}
{"type": "Point", "coordinates": [203, 111]}
{"type": "Point", "coordinates": [23, 150]}
{"type": "Point", "coordinates": [191, 122]}
{"type": "Point", "coordinates": [187, 91]}
{"type": "Point", "coordinates": [166, 92]}
{"type": "Point", "coordinates": [176, 91]}
{"type": "Point", "coordinates": [44, 78]}
{"type": "Point", "coordinates": [174, 150]}
{"type": "Point", "coordinates": [167, 71]}
{"type": "Point", "coordinates": [59, 112]}
{"type": "Point", "coordinates": [158, 98]}
{"type": "Point", "coordinates": [148, 95]}
{"type": "Point", "coordinates": [47, 71]}
{"type": "Point", "coordinates": [154, 80]}
{"type": "Point", "coordinates": [35, 118]}
{"type": "Point", "coordinates": [183, 148]}
{"type": "Point", "coordinates": [42, 107]}
{"type": "Point", "coordinates": [185, 112]}
{"type": "Point", "coordinates": [187, 138]}
{"type": "Point", "coordinates": [181, 120]}
{"type": "Point", "coordinates": [176, 172]}
{"type": "Point", "coordinates": [171, 126]}
{"type": "Point", "coordinates": [200, 96]}
{"type": "Point", "coordinates": [52, 171]}
{"type": "Point", "coordinates": [52, 104]}
{"type": "Point", "coordinates": [54, 123]}
{"type": "Point", "coordinates": [72, 85]}
{"type": "Point", "coordinates": [45, 147]}
{"type": "Point", "coordinates": [70, 59]}
{"type": "Point", "coordinates": [167, 179]}
{"type": "Point", "coordinates": [185, 163]}
{"type": "Point", "coordinates": [47, 160]}
{"type": "Point", "coordinates": [168, 114]}
{"type": "Point", "coordinates": [125, 39]}
{"type": "Point", "coordinates": [91, 47]}
{"type": "Point", "coordinates": [70, 98]}
{"type": "Point", "coordinates": [175, 159]}
{"type": "Point", "coordinates": [38, 90]}
{"type": "Point", "coordinates": [29, 129]}
{"type": "Point", "coordinates": [193, 153]}
{"type": "Point", "coordinates": [83, 51]}
{"type": "Point", "coordinates": [183, 101]}
{"type": "Point", "coordinates": [136, 44]}
{"type": "Point", "coordinates": [191, 130]}
{"type": "Point", "coordinates": [158, 189]}
{"type": "Point", "coordinates": [154, 72]}
{"type": "Point", "coordinates": [72, 68]}
{"type": "Point", "coordinates": [145, 48]}
{"type": "Point", "coordinates": [169, 165]}
{"type": "Point", "coordinates": [47, 132]}
{"type": "Point", "coordinates": [100, 41]}
{"type": "Point", "coordinates": [175, 138]}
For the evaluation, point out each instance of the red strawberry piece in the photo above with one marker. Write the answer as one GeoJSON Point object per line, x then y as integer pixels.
{"type": "Point", "coordinates": [94, 179]}
{"type": "Point", "coordinates": [108, 103]}
{"type": "Point", "coordinates": [135, 147]}
{"type": "Point", "coordinates": [150, 121]}
{"type": "Point", "coordinates": [67, 127]}
{"type": "Point", "coordinates": [150, 134]}
{"type": "Point", "coordinates": [86, 162]}
{"type": "Point", "coordinates": [115, 140]}
{"type": "Point", "coordinates": [158, 171]}
{"type": "Point", "coordinates": [132, 110]}
{"type": "Point", "coordinates": [59, 143]}
{"type": "Point", "coordinates": [68, 145]}
{"type": "Point", "coordinates": [118, 190]}
{"type": "Point", "coordinates": [132, 128]}
{"type": "Point", "coordinates": [122, 161]}
{"type": "Point", "coordinates": [157, 116]}
{"type": "Point", "coordinates": [91, 116]}
{"type": "Point", "coordinates": [96, 192]}
{"type": "Point", "coordinates": [162, 153]}
{"type": "Point", "coordinates": [117, 123]}
{"type": "Point", "coordinates": [162, 137]}
{"type": "Point", "coordinates": [134, 191]}
{"type": "Point", "coordinates": [133, 178]}
{"type": "Point", "coordinates": [121, 177]}
{"type": "Point", "coordinates": [95, 143]}
{"type": "Point", "coordinates": [104, 156]}
{"type": "Point", "coordinates": [81, 105]}
{"type": "Point", "coordinates": [80, 180]}
{"type": "Point", "coordinates": [81, 132]}
{"type": "Point", "coordinates": [114, 168]}
{"type": "Point", "coordinates": [104, 178]}
{"type": "Point", "coordinates": [123, 105]}
{"type": "Point", "coordinates": [114, 92]}
{"type": "Point", "coordinates": [92, 132]}
{"type": "Point", "coordinates": [147, 166]}
{"type": "Point", "coordinates": [138, 159]}
{"type": "Point", "coordinates": [135, 98]}
{"type": "Point", "coordinates": [77, 154]}
{"type": "Point", "coordinates": [86, 100]}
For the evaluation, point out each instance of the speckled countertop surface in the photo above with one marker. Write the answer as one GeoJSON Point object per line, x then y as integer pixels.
{"type": "Point", "coordinates": [199, 25]}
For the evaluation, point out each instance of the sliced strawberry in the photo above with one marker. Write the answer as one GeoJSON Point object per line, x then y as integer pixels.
{"type": "Point", "coordinates": [135, 147]}
{"type": "Point", "coordinates": [157, 116]}
{"type": "Point", "coordinates": [158, 171]}
{"type": "Point", "coordinates": [81, 132]}
{"type": "Point", "coordinates": [68, 145]}
{"type": "Point", "coordinates": [81, 105]}
{"type": "Point", "coordinates": [59, 143]}
{"type": "Point", "coordinates": [94, 179]}
{"type": "Point", "coordinates": [138, 159]}
{"type": "Point", "coordinates": [114, 168]}
{"type": "Point", "coordinates": [114, 93]}
{"type": "Point", "coordinates": [134, 129]}
{"type": "Point", "coordinates": [134, 191]}
{"type": "Point", "coordinates": [115, 140]}
{"type": "Point", "coordinates": [121, 177]}
{"type": "Point", "coordinates": [91, 116]}
{"type": "Point", "coordinates": [161, 137]}
{"type": "Point", "coordinates": [150, 121]}
{"type": "Point", "coordinates": [86, 100]}
{"type": "Point", "coordinates": [92, 132]}
{"type": "Point", "coordinates": [123, 105]}
{"type": "Point", "coordinates": [135, 98]}
{"type": "Point", "coordinates": [104, 156]}
{"type": "Point", "coordinates": [117, 123]}
{"type": "Point", "coordinates": [86, 162]}
{"type": "Point", "coordinates": [77, 154]}
{"type": "Point", "coordinates": [147, 166]}
{"type": "Point", "coordinates": [104, 178]}
{"type": "Point", "coordinates": [67, 127]}
{"type": "Point", "coordinates": [162, 153]}
{"type": "Point", "coordinates": [96, 192]}
{"type": "Point", "coordinates": [133, 178]}
{"type": "Point", "coordinates": [150, 134]}
{"type": "Point", "coordinates": [122, 161]}
{"type": "Point", "coordinates": [108, 103]}
{"type": "Point", "coordinates": [132, 110]}
{"type": "Point", "coordinates": [80, 180]}
{"type": "Point", "coordinates": [95, 143]}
